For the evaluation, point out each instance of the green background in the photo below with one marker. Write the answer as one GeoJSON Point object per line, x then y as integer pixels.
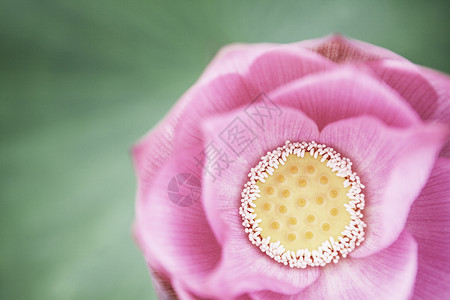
{"type": "Point", "coordinates": [80, 81]}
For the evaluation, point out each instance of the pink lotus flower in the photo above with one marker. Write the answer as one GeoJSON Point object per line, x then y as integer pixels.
{"type": "Point", "coordinates": [387, 115]}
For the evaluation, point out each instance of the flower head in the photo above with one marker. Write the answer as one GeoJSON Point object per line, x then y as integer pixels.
{"type": "Point", "coordinates": [316, 170]}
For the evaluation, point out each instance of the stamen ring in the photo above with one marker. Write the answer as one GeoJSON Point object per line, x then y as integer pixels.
{"type": "Point", "coordinates": [330, 250]}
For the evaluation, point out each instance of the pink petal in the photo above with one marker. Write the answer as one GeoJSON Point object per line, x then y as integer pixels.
{"type": "Point", "coordinates": [427, 91]}
{"type": "Point", "coordinates": [407, 79]}
{"type": "Point", "coordinates": [341, 49]}
{"type": "Point", "coordinates": [429, 223]}
{"type": "Point", "coordinates": [288, 61]}
{"type": "Point", "coordinates": [285, 64]}
{"type": "Point", "coordinates": [172, 230]}
{"type": "Point", "coordinates": [441, 84]}
{"type": "Point", "coordinates": [388, 274]}
{"type": "Point", "coordinates": [244, 267]}
{"type": "Point", "coordinates": [234, 58]}
{"type": "Point", "coordinates": [152, 151]}
{"type": "Point", "coordinates": [182, 292]}
{"type": "Point", "coordinates": [161, 284]}
{"type": "Point", "coordinates": [220, 95]}
{"type": "Point", "coordinates": [222, 189]}
{"type": "Point", "coordinates": [393, 164]}
{"type": "Point", "coordinates": [229, 91]}
{"type": "Point", "coordinates": [344, 93]}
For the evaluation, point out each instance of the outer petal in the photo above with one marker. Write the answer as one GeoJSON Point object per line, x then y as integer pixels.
{"type": "Point", "coordinates": [244, 267]}
{"type": "Point", "coordinates": [282, 65]}
{"type": "Point", "coordinates": [287, 61]}
{"type": "Point", "coordinates": [343, 93]}
{"type": "Point", "coordinates": [394, 165]}
{"type": "Point", "coordinates": [427, 91]}
{"type": "Point", "coordinates": [153, 150]}
{"type": "Point", "coordinates": [242, 86]}
{"type": "Point", "coordinates": [173, 231]}
{"type": "Point", "coordinates": [161, 284]}
{"type": "Point", "coordinates": [441, 84]}
{"type": "Point", "coordinates": [234, 58]}
{"type": "Point", "coordinates": [218, 96]}
{"type": "Point", "coordinates": [340, 49]}
{"type": "Point", "coordinates": [388, 274]}
{"type": "Point", "coordinates": [429, 223]}
{"type": "Point", "coordinates": [407, 79]}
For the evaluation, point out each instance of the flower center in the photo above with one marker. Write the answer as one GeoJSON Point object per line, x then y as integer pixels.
{"type": "Point", "coordinates": [303, 205]}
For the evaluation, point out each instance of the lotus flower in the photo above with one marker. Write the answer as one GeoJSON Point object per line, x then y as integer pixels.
{"type": "Point", "coordinates": [210, 217]}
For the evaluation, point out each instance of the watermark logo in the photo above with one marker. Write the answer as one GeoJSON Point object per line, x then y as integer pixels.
{"type": "Point", "coordinates": [213, 160]}
{"type": "Point", "coordinates": [184, 189]}
{"type": "Point", "coordinates": [238, 136]}
{"type": "Point", "coordinates": [262, 110]}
